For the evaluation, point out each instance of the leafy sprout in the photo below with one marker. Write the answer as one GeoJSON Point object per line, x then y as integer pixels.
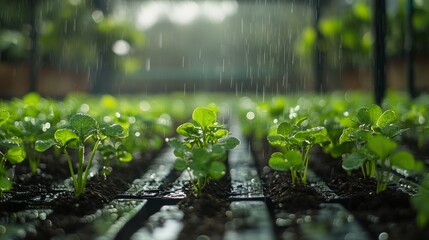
{"type": "Point", "coordinates": [373, 137]}
{"type": "Point", "coordinates": [82, 130]}
{"type": "Point", "coordinates": [10, 151]}
{"type": "Point", "coordinates": [202, 151]}
{"type": "Point", "coordinates": [295, 145]}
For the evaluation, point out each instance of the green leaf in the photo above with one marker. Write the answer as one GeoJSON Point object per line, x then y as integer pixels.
{"type": "Point", "coordinates": [65, 135]}
{"type": "Point", "coordinates": [204, 117]}
{"type": "Point", "coordinates": [381, 146]}
{"type": "Point", "coordinates": [125, 156]}
{"type": "Point", "coordinates": [345, 136]}
{"type": "Point", "coordinates": [8, 143]}
{"type": "Point", "coordinates": [363, 115]}
{"type": "Point", "coordinates": [386, 118]}
{"type": "Point", "coordinates": [285, 129]}
{"type": "Point", "coordinates": [374, 114]}
{"type": "Point", "coordinates": [217, 170]}
{"type": "Point", "coordinates": [403, 159]}
{"type": "Point", "coordinates": [354, 161]}
{"type": "Point", "coordinates": [320, 135]}
{"type": "Point", "coordinates": [115, 131]}
{"type": "Point", "coordinates": [15, 155]}
{"type": "Point", "coordinates": [175, 143]}
{"type": "Point", "coordinates": [4, 116]}
{"type": "Point", "coordinates": [276, 140]}
{"type": "Point", "coordinates": [32, 98]}
{"type": "Point", "coordinates": [5, 184]}
{"type": "Point", "coordinates": [200, 155]}
{"type": "Point", "coordinates": [43, 145]}
{"type": "Point", "coordinates": [278, 162]}
{"type": "Point", "coordinates": [231, 143]}
{"type": "Point", "coordinates": [84, 125]}
{"type": "Point", "coordinates": [187, 129]}
{"type": "Point", "coordinates": [218, 152]}
{"type": "Point", "coordinates": [293, 158]}
{"type": "Point", "coordinates": [180, 164]}
{"type": "Point", "coordinates": [221, 133]}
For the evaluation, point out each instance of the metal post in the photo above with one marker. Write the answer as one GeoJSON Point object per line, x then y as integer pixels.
{"type": "Point", "coordinates": [34, 39]}
{"type": "Point", "coordinates": [409, 48]}
{"type": "Point", "coordinates": [379, 50]}
{"type": "Point", "coordinates": [318, 54]}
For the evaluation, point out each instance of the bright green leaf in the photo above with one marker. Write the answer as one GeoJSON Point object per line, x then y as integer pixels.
{"type": "Point", "coordinates": [32, 98]}
{"type": "Point", "coordinates": [43, 145]}
{"type": "Point", "coordinates": [381, 146]}
{"type": "Point", "coordinates": [217, 170]}
{"type": "Point", "coordinates": [65, 135]}
{"type": "Point", "coordinates": [386, 118]}
{"type": "Point", "coordinates": [125, 156]}
{"type": "Point", "coordinates": [353, 161]}
{"type": "Point", "coordinates": [278, 162]}
{"type": "Point", "coordinates": [374, 114]}
{"type": "Point", "coordinates": [4, 116]}
{"type": "Point", "coordinates": [276, 140]}
{"type": "Point", "coordinates": [5, 184]}
{"type": "Point", "coordinates": [204, 117]}
{"type": "Point", "coordinates": [187, 129]}
{"type": "Point", "coordinates": [345, 136]}
{"type": "Point", "coordinates": [402, 159]}
{"type": "Point", "coordinates": [221, 133]}
{"type": "Point", "coordinates": [15, 155]}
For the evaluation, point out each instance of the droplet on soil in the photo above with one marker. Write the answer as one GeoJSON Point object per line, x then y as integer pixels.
{"type": "Point", "coordinates": [383, 236]}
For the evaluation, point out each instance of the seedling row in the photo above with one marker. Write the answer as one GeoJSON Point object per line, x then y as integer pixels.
{"type": "Point", "coordinates": [253, 153]}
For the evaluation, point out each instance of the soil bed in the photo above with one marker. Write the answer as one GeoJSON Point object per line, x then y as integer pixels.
{"type": "Point", "coordinates": [68, 210]}
{"type": "Point", "coordinates": [206, 215]}
{"type": "Point", "coordinates": [387, 214]}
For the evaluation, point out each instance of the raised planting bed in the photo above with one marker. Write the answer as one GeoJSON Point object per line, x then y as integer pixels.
{"type": "Point", "coordinates": [248, 195]}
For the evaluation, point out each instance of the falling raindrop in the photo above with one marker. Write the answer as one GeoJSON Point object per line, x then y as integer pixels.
{"type": "Point", "coordinates": [147, 64]}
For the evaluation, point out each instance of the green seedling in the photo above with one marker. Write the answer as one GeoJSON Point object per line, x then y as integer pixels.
{"type": "Point", "coordinates": [10, 152]}
{"type": "Point", "coordinates": [382, 150]}
{"type": "Point", "coordinates": [202, 151]}
{"type": "Point", "coordinates": [82, 130]}
{"type": "Point", "coordinates": [373, 138]}
{"type": "Point", "coordinates": [295, 145]}
{"type": "Point", "coordinates": [419, 202]}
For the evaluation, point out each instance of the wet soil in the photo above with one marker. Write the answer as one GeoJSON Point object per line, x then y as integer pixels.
{"type": "Point", "coordinates": [67, 209]}
{"type": "Point", "coordinates": [206, 216]}
{"type": "Point", "coordinates": [387, 214]}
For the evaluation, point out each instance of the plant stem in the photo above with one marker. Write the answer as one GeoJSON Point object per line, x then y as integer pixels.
{"type": "Point", "coordinates": [306, 160]}
{"type": "Point", "coordinates": [81, 158]}
{"type": "Point", "coordinates": [70, 163]}
{"type": "Point", "coordinates": [88, 166]}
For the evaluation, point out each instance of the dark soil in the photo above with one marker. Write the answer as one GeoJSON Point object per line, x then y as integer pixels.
{"type": "Point", "coordinates": [290, 197]}
{"type": "Point", "coordinates": [206, 215]}
{"type": "Point", "coordinates": [68, 210]}
{"type": "Point", "coordinates": [389, 212]}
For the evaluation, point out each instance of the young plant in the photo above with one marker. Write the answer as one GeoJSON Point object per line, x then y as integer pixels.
{"type": "Point", "coordinates": [202, 151]}
{"type": "Point", "coordinates": [10, 151]}
{"type": "Point", "coordinates": [295, 145]}
{"type": "Point", "coordinates": [82, 130]}
{"type": "Point", "coordinates": [373, 138]}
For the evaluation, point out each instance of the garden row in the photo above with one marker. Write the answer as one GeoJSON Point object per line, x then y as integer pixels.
{"type": "Point", "coordinates": [286, 167]}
